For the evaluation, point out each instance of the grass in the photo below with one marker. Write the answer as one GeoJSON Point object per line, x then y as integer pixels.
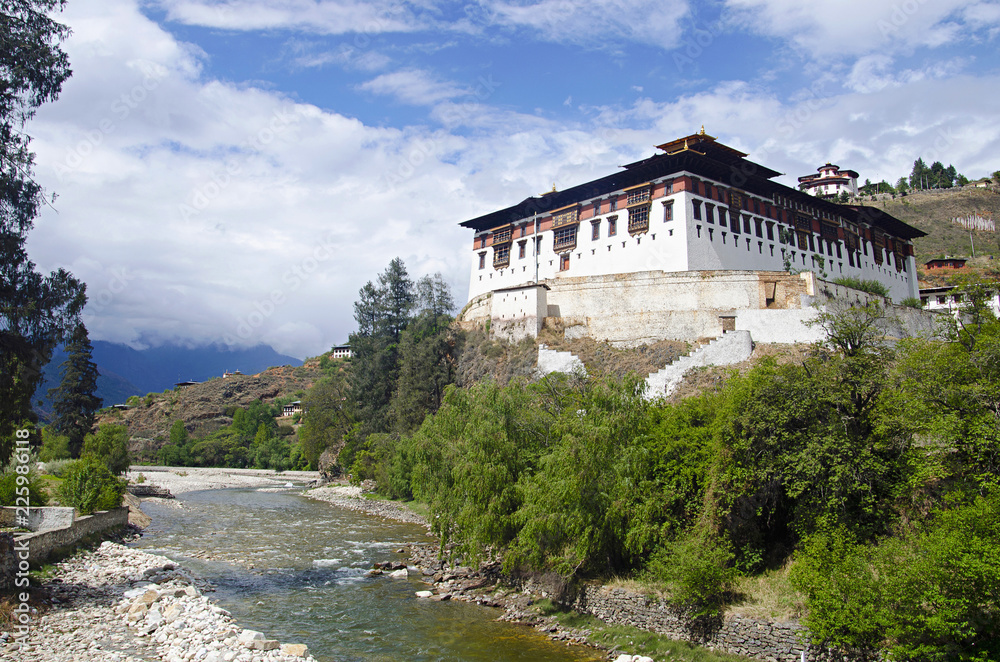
{"type": "Point", "coordinates": [632, 640]}
{"type": "Point", "coordinates": [769, 596]}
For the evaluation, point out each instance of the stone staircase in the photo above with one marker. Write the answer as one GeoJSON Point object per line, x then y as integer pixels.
{"type": "Point", "coordinates": [550, 360]}
{"type": "Point", "coordinates": [729, 348]}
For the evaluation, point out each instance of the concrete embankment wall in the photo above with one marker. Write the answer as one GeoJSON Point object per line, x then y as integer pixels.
{"type": "Point", "coordinates": [59, 529]}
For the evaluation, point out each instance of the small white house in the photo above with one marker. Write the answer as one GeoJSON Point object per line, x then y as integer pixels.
{"type": "Point", "coordinates": [829, 181]}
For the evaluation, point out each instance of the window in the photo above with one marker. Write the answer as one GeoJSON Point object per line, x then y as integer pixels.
{"type": "Point", "coordinates": [564, 262]}
{"type": "Point", "coordinates": [482, 260]}
{"type": "Point", "coordinates": [501, 235]}
{"type": "Point", "coordinates": [597, 207]}
{"type": "Point", "coordinates": [697, 209]}
{"type": "Point", "coordinates": [564, 238]}
{"type": "Point", "coordinates": [710, 213]}
{"type": "Point", "coordinates": [612, 226]}
{"type": "Point", "coordinates": [595, 231]}
{"type": "Point", "coordinates": [638, 195]}
{"type": "Point", "coordinates": [614, 202]}
{"type": "Point", "coordinates": [668, 210]}
{"type": "Point", "coordinates": [521, 245]}
{"type": "Point", "coordinates": [524, 230]}
{"type": "Point", "coordinates": [759, 229]}
{"type": "Point", "coordinates": [501, 256]}
{"type": "Point", "coordinates": [638, 219]}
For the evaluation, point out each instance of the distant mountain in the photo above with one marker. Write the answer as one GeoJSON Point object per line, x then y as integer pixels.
{"type": "Point", "coordinates": [125, 371]}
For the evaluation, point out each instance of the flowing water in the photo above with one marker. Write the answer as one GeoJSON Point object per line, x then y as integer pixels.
{"type": "Point", "coordinates": [294, 568]}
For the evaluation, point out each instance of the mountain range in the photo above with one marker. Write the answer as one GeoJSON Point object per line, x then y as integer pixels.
{"type": "Point", "coordinates": [125, 371]}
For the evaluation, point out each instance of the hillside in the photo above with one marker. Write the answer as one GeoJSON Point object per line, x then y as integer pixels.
{"type": "Point", "coordinates": [933, 211]}
{"type": "Point", "coordinates": [205, 407]}
{"type": "Point", "coordinates": [125, 371]}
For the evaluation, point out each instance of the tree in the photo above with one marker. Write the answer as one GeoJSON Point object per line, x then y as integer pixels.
{"type": "Point", "coordinates": [74, 402]}
{"type": "Point", "coordinates": [35, 310]}
{"type": "Point", "coordinates": [382, 313]}
{"type": "Point", "coordinates": [919, 174]}
{"type": "Point", "coordinates": [110, 445]}
{"type": "Point", "coordinates": [330, 415]}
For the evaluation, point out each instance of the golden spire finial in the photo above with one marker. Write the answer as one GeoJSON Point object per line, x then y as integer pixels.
{"type": "Point", "coordinates": [702, 132]}
{"type": "Point", "coordinates": [553, 187]}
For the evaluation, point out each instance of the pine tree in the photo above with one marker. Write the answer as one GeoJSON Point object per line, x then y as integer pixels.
{"type": "Point", "coordinates": [382, 313]}
{"type": "Point", "coordinates": [35, 310]}
{"type": "Point", "coordinates": [75, 400]}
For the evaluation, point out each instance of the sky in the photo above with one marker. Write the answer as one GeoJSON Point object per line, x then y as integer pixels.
{"type": "Point", "coordinates": [235, 171]}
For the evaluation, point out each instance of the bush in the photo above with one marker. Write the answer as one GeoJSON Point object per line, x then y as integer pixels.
{"type": "Point", "coordinates": [10, 483]}
{"type": "Point", "coordinates": [930, 594]}
{"type": "Point", "coordinates": [912, 302]}
{"type": "Point", "coordinates": [696, 568]}
{"type": "Point", "coordinates": [54, 446]}
{"type": "Point", "coordinates": [58, 468]}
{"type": "Point", "coordinates": [90, 486]}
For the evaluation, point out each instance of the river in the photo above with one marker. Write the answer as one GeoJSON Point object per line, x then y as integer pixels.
{"type": "Point", "coordinates": [294, 568]}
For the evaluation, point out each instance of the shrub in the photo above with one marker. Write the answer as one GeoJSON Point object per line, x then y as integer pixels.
{"type": "Point", "coordinates": [54, 446]}
{"type": "Point", "coordinates": [58, 468]}
{"type": "Point", "coordinates": [10, 484]}
{"type": "Point", "coordinates": [696, 568]}
{"type": "Point", "coordinates": [90, 486]}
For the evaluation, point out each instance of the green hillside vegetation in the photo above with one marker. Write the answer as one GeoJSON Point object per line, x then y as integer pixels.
{"type": "Point", "coordinates": [933, 213]}
{"type": "Point", "coordinates": [859, 479]}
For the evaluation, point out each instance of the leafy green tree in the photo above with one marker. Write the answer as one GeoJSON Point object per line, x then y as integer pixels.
{"type": "Point", "coordinates": [176, 452]}
{"type": "Point", "coordinates": [74, 401]}
{"type": "Point", "coordinates": [919, 175]}
{"type": "Point", "coordinates": [269, 451]}
{"type": "Point", "coordinates": [109, 445]}
{"type": "Point", "coordinates": [330, 416]}
{"type": "Point", "coordinates": [35, 310]}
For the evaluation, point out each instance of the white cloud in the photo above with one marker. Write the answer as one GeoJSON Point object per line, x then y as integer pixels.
{"type": "Point", "coordinates": [196, 209]}
{"type": "Point", "coordinates": [831, 30]}
{"type": "Point", "coordinates": [413, 86]}
{"type": "Point", "coordinates": [365, 17]}
{"type": "Point", "coordinates": [593, 23]}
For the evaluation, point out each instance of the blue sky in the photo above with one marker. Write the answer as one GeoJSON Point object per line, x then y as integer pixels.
{"type": "Point", "coordinates": [235, 171]}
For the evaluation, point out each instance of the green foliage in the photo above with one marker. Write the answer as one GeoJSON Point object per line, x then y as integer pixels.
{"type": "Point", "coordinates": [268, 450]}
{"type": "Point", "coordinates": [110, 446]}
{"type": "Point", "coordinates": [36, 311]}
{"type": "Point", "coordinates": [697, 570]}
{"type": "Point", "coordinates": [912, 302]}
{"type": "Point", "coordinates": [331, 415]}
{"type": "Point", "coordinates": [863, 285]}
{"type": "Point", "coordinates": [54, 446]}
{"type": "Point", "coordinates": [74, 401]}
{"type": "Point", "coordinates": [90, 486]}
{"type": "Point", "coordinates": [930, 594]}
{"type": "Point", "coordinates": [26, 482]}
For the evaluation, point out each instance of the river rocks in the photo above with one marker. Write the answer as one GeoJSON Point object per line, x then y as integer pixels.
{"type": "Point", "coordinates": [104, 608]}
{"type": "Point", "coordinates": [399, 574]}
{"type": "Point", "coordinates": [295, 650]}
{"type": "Point", "coordinates": [424, 594]}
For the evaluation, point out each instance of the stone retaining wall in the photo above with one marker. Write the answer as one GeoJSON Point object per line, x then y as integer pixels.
{"type": "Point", "coordinates": [759, 639]}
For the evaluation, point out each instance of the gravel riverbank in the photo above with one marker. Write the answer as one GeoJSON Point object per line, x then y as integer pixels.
{"type": "Point", "coordinates": [118, 604]}
{"type": "Point", "coordinates": [350, 497]}
{"type": "Point", "coordinates": [191, 479]}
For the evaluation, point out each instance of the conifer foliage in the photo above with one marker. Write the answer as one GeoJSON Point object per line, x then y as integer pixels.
{"type": "Point", "coordinates": [35, 310]}
{"type": "Point", "coordinates": [75, 402]}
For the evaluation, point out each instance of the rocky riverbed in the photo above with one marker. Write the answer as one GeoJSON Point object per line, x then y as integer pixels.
{"type": "Point", "coordinates": [118, 604]}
